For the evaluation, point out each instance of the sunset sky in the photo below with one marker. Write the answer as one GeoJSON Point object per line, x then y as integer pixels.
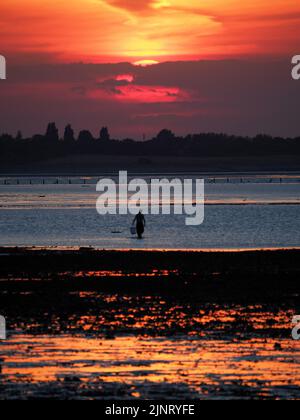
{"type": "Point", "coordinates": [43, 34]}
{"type": "Point", "coordinates": [110, 30]}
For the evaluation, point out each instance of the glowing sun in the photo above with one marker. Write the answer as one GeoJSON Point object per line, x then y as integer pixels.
{"type": "Point", "coordinates": [145, 63]}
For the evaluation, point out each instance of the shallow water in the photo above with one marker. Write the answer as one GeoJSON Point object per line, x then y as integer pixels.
{"type": "Point", "coordinates": [67, 340]}
{"type": "Point", "coordinates": [223, 351]}
{"type": "Point", "coordinates": [90, 345]}
{"type": "Point", "coordinates": [150, 368]}
{"type": "Point", "coordinates": [260, 212]}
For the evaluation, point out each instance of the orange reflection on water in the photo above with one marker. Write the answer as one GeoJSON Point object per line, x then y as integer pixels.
{"type": "Point", "coordinates": [110, 273]}
{"type": "Point", "coordinates": [142, 316]}
{"type": "Point", "coordinates": [262, 367]}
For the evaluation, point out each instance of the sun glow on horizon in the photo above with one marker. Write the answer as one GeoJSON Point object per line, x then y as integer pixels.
{"type": "Point", "coordinates": [92, 30]}
{"type": "Point", "coordinates": [145, 63]}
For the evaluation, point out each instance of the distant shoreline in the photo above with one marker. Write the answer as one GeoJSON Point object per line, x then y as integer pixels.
{"type": "Point", "coordinates": [27, 250]}
{"type": "Point", "coordinates": [95, 165]}
{"type": "Point", "coordinates": [216, 174]}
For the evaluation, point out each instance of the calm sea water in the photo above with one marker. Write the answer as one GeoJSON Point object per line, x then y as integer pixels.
{"type": "Point", "coordinates": [240, 212]}
{"type": "Point", "coordinates": [93, 345]}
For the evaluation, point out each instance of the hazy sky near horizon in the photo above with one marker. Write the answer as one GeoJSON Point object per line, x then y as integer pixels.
{"type": "Point", "coordinates": [245, 87]}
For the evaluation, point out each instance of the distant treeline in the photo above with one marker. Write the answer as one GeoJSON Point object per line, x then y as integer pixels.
{"type": "Point", "coordinates": [51, 145]}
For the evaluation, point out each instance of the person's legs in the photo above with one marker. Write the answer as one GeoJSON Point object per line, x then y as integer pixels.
{"type": "Point", "coordinates": [140, 230]}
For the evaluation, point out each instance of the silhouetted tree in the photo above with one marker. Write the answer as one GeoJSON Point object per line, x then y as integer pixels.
{"type": "Point", "coordinates": [104, 134]}
{"type": "Point", "coordinates": [69, 134]}
{"type": "Point", "coordinates": [19, 136]}
{"type": "Point", "coordinates": [85, 136]}
{"type": "Point", "coordinates": [165, 144]}
{"type": "Point", "coordinates": [165, 135]}
{"type": "Point", "coordinates": [52, 132]}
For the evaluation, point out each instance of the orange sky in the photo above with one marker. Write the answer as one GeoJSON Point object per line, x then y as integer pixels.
{"type": "Point", "coordinates": [131, 30]}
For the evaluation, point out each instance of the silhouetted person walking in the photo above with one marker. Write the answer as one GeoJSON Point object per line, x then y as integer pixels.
{"type": "Point", "coordinates": [140, 224]}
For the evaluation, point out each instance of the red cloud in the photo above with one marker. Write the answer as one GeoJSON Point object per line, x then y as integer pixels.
{"type": "Point", "coordinates": [125, 77]}
{"type": "Point", "coordinates": [123, 88]}
{"type": "Point", "coordinates": [154, 94]}
{"type": "Point", "coordinates": [141, 94]}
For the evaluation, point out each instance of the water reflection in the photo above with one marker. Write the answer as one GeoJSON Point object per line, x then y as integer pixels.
{"type": "Point", "coordinates": [120, 273]}
{"type": "Point", "coordinates": [141, 366]}
{"type": "Point", "coordinates": [124, 346]}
